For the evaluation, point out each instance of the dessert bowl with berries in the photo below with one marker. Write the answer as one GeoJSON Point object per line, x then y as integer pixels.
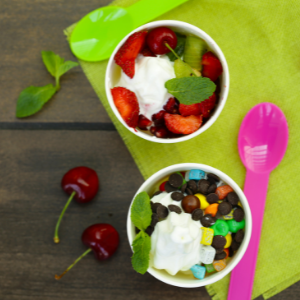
{"type": "Point", "coordinates": [167, 81]}
{"type": "Point", "coordinates": [188, 225]}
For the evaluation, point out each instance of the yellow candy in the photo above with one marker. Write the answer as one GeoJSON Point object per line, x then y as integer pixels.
{"type": "Point", "coordinates": [203, 202]}
{"type": "Point", "coordinates": [228, 238]}
{"type": "Point", "coordinates": [207, 236]}
{"type": "Point", "coordinates": [229, 216]}
{"type": "Point", "coordinates": [219, 265]}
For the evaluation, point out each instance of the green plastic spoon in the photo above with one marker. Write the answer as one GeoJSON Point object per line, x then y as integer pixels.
{"type": "Point", "coordinates": [98, 33]}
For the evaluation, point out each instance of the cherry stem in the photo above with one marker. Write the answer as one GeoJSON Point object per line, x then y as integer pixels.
{"type": "Point", "coordinates": [73, 264]}
{"type": "Point", "coordinates": [170, 48]}
{"type": "Point", "coordinates": [56, 238]}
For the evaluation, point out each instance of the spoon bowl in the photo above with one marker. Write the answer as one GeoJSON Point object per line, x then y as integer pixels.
{"type": "Point", "coordinates": [263, 138]}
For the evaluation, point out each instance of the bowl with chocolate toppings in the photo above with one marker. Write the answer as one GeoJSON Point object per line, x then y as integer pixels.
{"type": "Point", "coordinates": [188, 225]}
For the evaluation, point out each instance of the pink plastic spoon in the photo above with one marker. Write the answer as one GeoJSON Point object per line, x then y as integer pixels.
{"type": "Point", "coordinates": [262, 142]}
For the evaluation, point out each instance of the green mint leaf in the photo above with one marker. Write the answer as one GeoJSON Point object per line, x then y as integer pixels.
{"type": "Point", "coordinates": [56, 65]}
{"type": "Point", "coordinates": [141, 212]}
{"type": "Point", "coordinates": [190, 90]}
{"type": "Point", "coordinates": [32, 99]}
{"type": "Point", "coordinates": [179, 49]}
{"type": "Point", "coordinates": [141, 252]}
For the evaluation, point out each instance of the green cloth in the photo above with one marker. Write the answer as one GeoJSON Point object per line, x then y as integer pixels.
{"type": "Point", "coordinates": [260, 40]}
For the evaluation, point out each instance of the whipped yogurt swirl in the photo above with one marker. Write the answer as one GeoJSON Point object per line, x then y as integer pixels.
{"type": "Point", "coordinates": [148, 83]}
{"type": "Point", "coordinates": [175, 242]}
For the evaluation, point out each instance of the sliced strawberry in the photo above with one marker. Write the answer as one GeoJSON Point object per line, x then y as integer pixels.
{"type": "Point", "coordinates": [144, 122]}
{"type": "Point", "coordinates": [158, 118]}
{"type": "Point", "coordinates": [127, 54]}
{"type": "Point", "coordinates": [147, 52]}
{"type": "Point", "coordinates": [127, 105]}
{"type": "Point", "coordinates": [207, 105]}
{"type": "Point", "coordinates": [183, 125]}
{"type": "Point", "coordinates": [212, 67]}
{"type": "Point", "coordinates": [189, 110]}
{"type": "Point", "coordinates": [172, 106]}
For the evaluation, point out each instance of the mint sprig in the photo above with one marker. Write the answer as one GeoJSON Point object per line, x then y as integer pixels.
{"type": "Point", "coordinates": [190, 90]}
{"type": "Point", "coordinates": [141, 215]}
{"type": "Point", "coordinates": [33, 98]}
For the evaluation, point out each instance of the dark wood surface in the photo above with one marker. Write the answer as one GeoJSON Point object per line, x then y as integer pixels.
{"type": "Point", "coordinates": [32, 163]}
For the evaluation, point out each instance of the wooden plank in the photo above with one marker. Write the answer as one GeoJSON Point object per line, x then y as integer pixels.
{"type": "Point", "coordinates": [27, 28]}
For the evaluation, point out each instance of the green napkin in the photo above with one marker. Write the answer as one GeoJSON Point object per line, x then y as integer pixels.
{"type": "Point", "coordinates": [260, 40]}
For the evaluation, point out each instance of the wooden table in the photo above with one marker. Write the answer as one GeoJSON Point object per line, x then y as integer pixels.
{"type": "Point", "coordinates": [73, 129]}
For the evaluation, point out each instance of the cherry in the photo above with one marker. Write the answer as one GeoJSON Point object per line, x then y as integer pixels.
{"type": "Point", "coordinates": [158, 37]}
{"type": "Point", "coordinates": [102, 239]}
{"type": "Point", "coordinates": [189, 203]}
{"type": "Point", "coordinates": [82, 184]}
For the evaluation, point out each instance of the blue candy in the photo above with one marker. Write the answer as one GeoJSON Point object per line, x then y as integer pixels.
{"type": "Point", "coordinates": [198, 271]}
{"type": "Point", "coordinates": [196, 174]}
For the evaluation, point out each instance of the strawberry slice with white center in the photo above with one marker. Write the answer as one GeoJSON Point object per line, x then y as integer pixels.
{"type": "Point", "coordinates": [182, 125]}
{"type": "Point", "coordinates": [127, 54]}
{"type": "Point", "coordinates": [127, 105]}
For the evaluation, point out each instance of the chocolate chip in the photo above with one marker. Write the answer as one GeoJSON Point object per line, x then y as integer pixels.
{"type": "Point", "coordinates": [224, 208]}
{"type": "Point", "coordinates": [154, 207]}
{"type": "Point", "coordinates": [154, 220]}
{"type": "Point", "coordinates": [212, 198]}
{"type": "Point", "coordinates": [219, 241]}
{"type": "Point", "coordinates": [162, 212]}
{"type": "Point", "coordinates": [213, 177]}
{"type": "Point", "coordinates": [192, 185]}
{"type": "Point", "coordinates": [212, 188]}
{"type": "Point", "coordinates": [238, 214]}
{"type": "Point", "coordinates": [157, 193]}
{"type": "Point", "coordinates": [220, 256]}
{"type": "Point", "coordinates": [231, 252]}
{"type": "Point", "coordinates": [197, 214]}
{"type": "Point", "coordinates": [232, 198]}
{"type": "Point", "coordinates": [203, 186]}
{"type": "Point", "coordinates": [176, 180]}
{"type": "Point", "coordinates": [207, 220]}
{"type": "Point", "coordinates": [169, 188]}
{"type": "Point", "coordinates": [235, 245]}
{"type": "Point", "coordinates": [177, 196]}
{"type": "Point", "coordinates": [239, 236]}
{"type": "Point", "coordinates": [218, 251]}
{"type": "Point", "coordinates": [175, 208]}
{"type": "Point", "coordinates": [219, 216]}
{"type": "Point", "coordinates": [189, 192]}
{"type": "Point", "coordinates": [183, 188]}
{"type": "Point", "coordinates": [149, 230]}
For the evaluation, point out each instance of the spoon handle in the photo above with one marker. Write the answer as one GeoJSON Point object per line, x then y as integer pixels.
{"type": "Point", "coordinates": [242, 276]}
{"type": "Point", "coordinates": [144, 11]}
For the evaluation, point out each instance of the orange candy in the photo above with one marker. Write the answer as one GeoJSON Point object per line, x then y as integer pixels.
{"type": "Point", "coordinates": [212, 209]}
{"type": "Point", "coordinates": [223, 191]}
{"type": "Point", "coordinates": [227, 252]}
{"type": "Point", "coordinates": [219, 265]}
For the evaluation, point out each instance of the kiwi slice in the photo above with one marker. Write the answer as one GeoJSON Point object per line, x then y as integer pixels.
{"type": "Point", "coordinates": [193, 51]}
{"type": "Point", "coordinates": [182, 69]}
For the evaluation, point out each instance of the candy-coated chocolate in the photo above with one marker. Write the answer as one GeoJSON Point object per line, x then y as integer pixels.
{"type": "Point", "coordinates": [203, 203]}
{"type": "Point", "coordinates": [226, 250]}
{"type": "Point", "coordinates": [228, 238]}
{"type": "Point", "coordinates": [219, 265]}
{"type": "Point", "coordinates": [207, 236]}
{"type": "Point", "coordinates": [198, 271]}
{"type": "Point", "coordinates": [235, 226]}
{"type": "Point", "coordinates": [220, 228]}
{"type": "Point", "coordinates": [196, 174]}
{"type": "Point", "coordinates": [223, 190]}
{"type": "Point", "coordinates": [212, 209]}
{"type": "Point", "coordinates": [207, 254]}
{"type": "Point", "coordinates": [189, 203]}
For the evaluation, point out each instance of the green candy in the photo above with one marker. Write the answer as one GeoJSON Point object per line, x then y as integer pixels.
{"type": "Point", "coordinates": [210, 268]}
{"type": "Point", "coordinates": [235, 226]}
{"type": "Point", "coordinates": [220, 228]}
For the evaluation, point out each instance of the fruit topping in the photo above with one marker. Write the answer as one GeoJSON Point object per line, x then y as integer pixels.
{"type": "Point", "coordinates": [147, 52]}
{"type": "Point", "coordinates": [158, 118]}
{"type": "Point", "coordinates": [193, 51]}
{"type": "Point", "coordinates": [182, 125]}
{"type": "Point", "coordinates": [172, 106]}
{"type": "Point", "coordinates": [127, 105]}
{"type": "Point", "coordinates": [82, 184]}
{"type": "Point", "coordinates": [207, 105]}
{"type": "Point", "coordinates": [127, 54]}
{"type": "Point", "coordinates": [144, 122]}
{"type": "Point", "coordinates": [189, 110]}
{"type": "Point", "coordinates": [157, 38]}
{"type": "Point", "coordinates": [212, 67]}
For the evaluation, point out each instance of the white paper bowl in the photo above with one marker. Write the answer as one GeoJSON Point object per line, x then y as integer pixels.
{"type": "Point", "coordinates": [182, 281]}
{"type": "Point", "coordinates": [112, 70]}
